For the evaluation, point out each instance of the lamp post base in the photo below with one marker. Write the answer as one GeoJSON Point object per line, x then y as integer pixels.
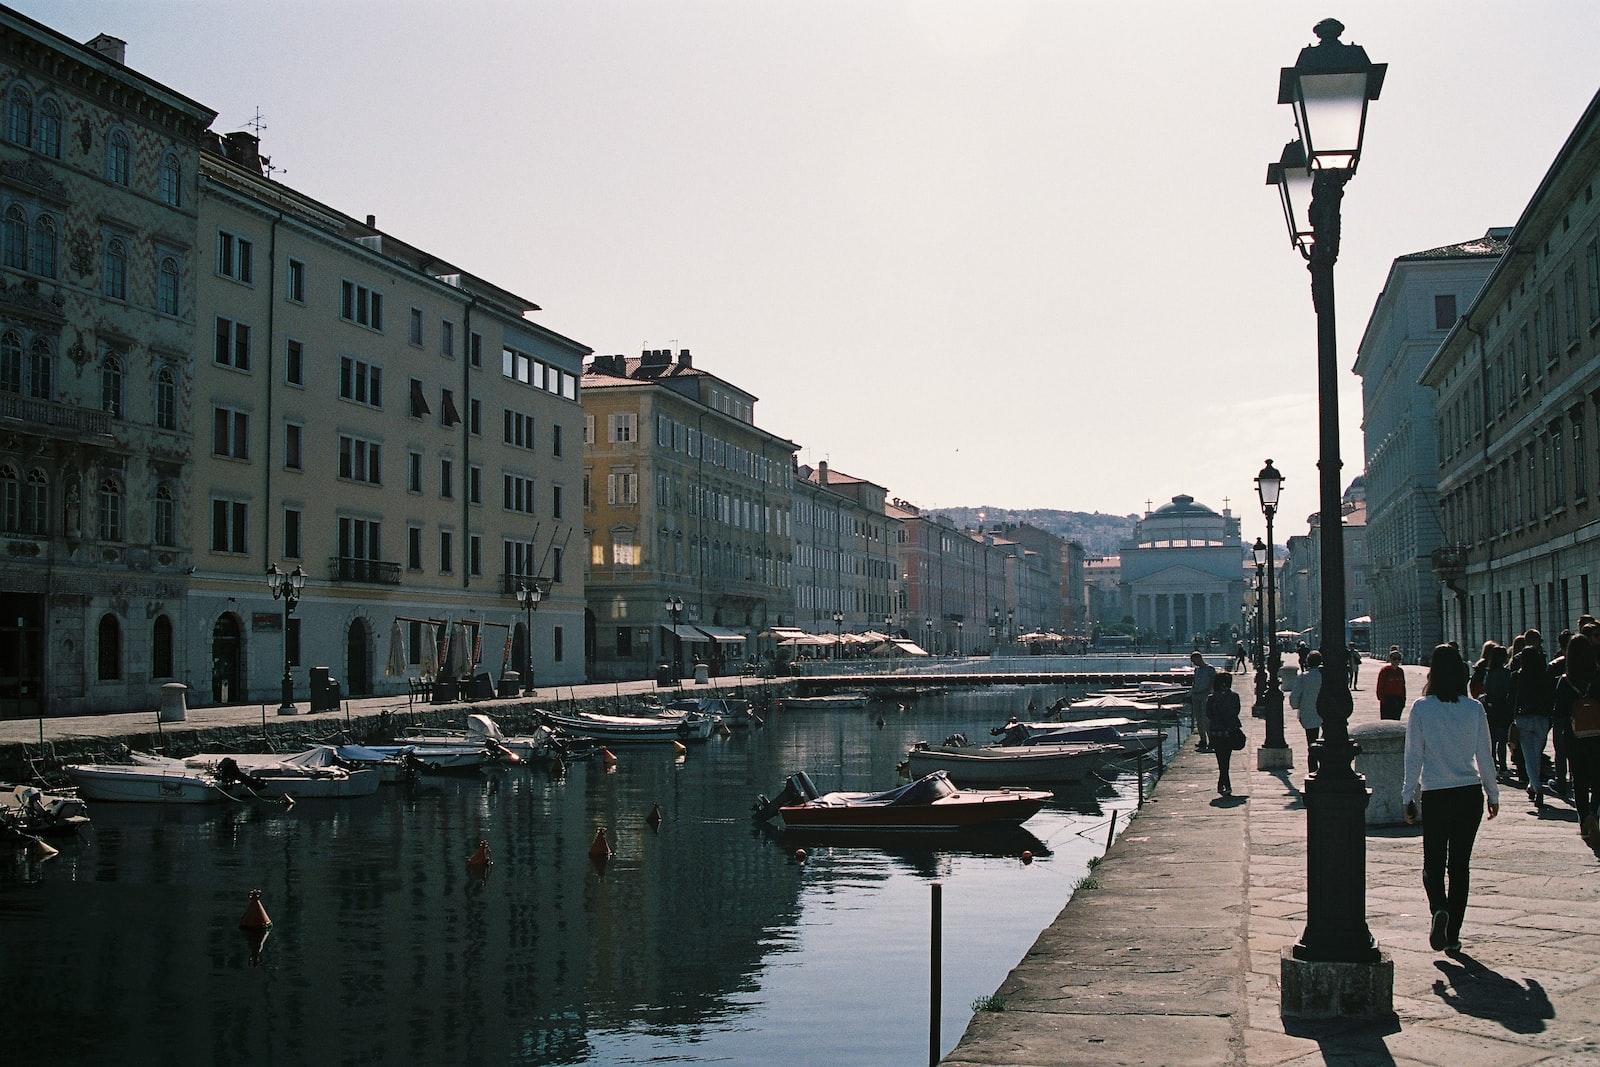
{"type": "Point", "coordinates": [288, 709]}
{"type": "Point", "coordinates": [1319, 989]}
{"type": "Point", "coordinates": [1269, 758]}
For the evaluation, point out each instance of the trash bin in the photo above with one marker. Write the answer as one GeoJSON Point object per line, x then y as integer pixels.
{"type": "Point", "coordinates": [324, 690]}
{"type": "Point", "coordinates": [480, 688]}
{"type": "Point", "coordinates": [510, 683]}
{"type": "Point", "coordinates": [702, 674]}
{"type": "Point", "coordinates": [664, 674]}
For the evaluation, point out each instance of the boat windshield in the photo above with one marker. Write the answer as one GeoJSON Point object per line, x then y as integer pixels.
{"type": "Point", "coordinates": [926, 790]}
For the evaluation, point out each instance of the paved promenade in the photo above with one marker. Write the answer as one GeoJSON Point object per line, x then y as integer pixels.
{"type": "Point", "coordinates": [1174, 958]}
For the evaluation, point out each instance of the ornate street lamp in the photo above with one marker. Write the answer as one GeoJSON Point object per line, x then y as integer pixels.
{"type": "Point", "coordinates": [838, 632]}
{"type": "Point", "coordinates": [528, 595]}
{"type": "Point", "coordinates": [1259, 552]}
{"type": "Point", "coordinates": [961, 644]}
{"type": "Point", "coordinates": [1269, 483]}
{"type": "Point", "coordinates": [674, 606]}
{"type": "Point", "coordinates": [1011, 620]}
{"type": "Point", "coordinates": [928, 623]}
{"type": "Point", "coordinates": [1329, 88]}
{"type": "Point", "coordinates": [287, 588]}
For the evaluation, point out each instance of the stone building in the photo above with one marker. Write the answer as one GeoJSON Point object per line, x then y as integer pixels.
{"type": "Point", "coordinates": [1181, 572]}
{"type": "Point", "coordinates": [98, 273]}
{"type": "Point", "coordinates": [845, 559]}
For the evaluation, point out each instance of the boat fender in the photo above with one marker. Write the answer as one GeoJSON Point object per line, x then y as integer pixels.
{"type": "Point", "coordinates": [654, 818]}
{"type": "Point", "coordinates": [800, 856]}
{"type": "Point", "coordinates": [608, 757]}
{"type": "Point", "coordinates": [255, 915]}
{"type": "Point", "coordinates": [678, 749]}
{"type": "Point", "coordinates": [479, 858]}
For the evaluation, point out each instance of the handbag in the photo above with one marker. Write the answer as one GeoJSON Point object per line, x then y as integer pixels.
{"type": "Point", "coordinates": [1238, 740]}
{"type": "Point", "coordinates": [1586, 716]}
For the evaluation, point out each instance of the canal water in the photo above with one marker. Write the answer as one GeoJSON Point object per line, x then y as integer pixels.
{"type": "Point", "coordinates": [702, 941]}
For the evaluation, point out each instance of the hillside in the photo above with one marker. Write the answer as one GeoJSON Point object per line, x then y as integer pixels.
{"type": "Point", "coordinates": [1098, 533]}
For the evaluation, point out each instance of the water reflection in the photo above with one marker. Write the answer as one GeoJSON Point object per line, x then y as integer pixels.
{"type": "Point", "coordinates": [702, 940]}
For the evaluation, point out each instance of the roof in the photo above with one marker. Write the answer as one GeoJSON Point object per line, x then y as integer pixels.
{"type": "Point", "coordinates": [1182, 504]}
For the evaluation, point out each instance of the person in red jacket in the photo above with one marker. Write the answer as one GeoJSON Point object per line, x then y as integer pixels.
{"type": "Point", "coordinates": [1391, 687]}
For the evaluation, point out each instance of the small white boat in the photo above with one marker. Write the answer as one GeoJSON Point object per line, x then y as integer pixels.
{"type": "Point", "coordinates": [687, 726]}
{"type": "Point", "coordinates": [315, 774]}
{"type": "Point", "coordinates": [485, 732]}
{"type": "Point", "coordinates": [137, 783]}
{"type": "Point", "coordinates": [843, 700]}
{"type": "Point", "coordinates": [1132, 737]}
{"type": "Point", "coordinates": [1010, 765]}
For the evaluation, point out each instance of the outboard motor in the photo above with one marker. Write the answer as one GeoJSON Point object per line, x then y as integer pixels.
{"type": "Point", "coordinates": [230, 773]}
{"type": "Point", "coordinates": [956, 741]}
{"type": "Point", "coordinates": [797, 789]}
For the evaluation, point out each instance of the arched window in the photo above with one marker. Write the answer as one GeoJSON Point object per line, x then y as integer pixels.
{"type": "Point", "coordinates": [36, 504]}
{"type": "Point", "coordinates": [10, 362]}
{"type": "Point", "coordinates": [19, 116]}
{"type": "Point", "coordinates": [167, 286]}
{"type": "Point", "coordinates": [39, 362]}
{"type": "Point", "coordinates": [110, 651]}
{"type": "Point", "coordinates": [111, 510]}
{"type": "Point", "coordinates": [171, 180]}
{"type": "Point", "coordinates": [10, 500]}
{"type": "Point", "coordinates": [14, 239]}
{"type": "Point", "coordinates": [114, 273]}
{"type": "Point", "coordinates": [161, 648]}
{"type": "Point", "coordinates": [166, 400]}
{"type": "Point", "coordinates": [118, 158]}
{"type": "Point", "coordinates": [44, 246]}
{"type": "Point", "coordinates": [166, 517]}
{"type": "Point", "coordinates": [111, 385]}
{"type": "Point", "coordinates": [48, 140]}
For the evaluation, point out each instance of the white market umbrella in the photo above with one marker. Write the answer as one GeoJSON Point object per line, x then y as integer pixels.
{"type": "Point", "coordinates": [396, 666]}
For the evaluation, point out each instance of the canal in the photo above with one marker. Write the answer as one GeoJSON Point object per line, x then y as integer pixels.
{"type": "Point", "coordinates": [702, 941]}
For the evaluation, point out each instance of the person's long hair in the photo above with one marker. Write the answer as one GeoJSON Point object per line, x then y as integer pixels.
{"type": "Point", "coordinates": [1447, 675]}
{"type": "Point", "coordinates": [1580, 659]}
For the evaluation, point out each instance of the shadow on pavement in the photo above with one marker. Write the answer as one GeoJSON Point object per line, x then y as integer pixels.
{"type": "Point", "coordinates": [1349, 1040]}
{"type": "Point", "coordinates": [1473, 989]}
{"type": "Point", "coordinates": [1297, 800]}
{"type": "Point", "coordinates": [1234, 801]}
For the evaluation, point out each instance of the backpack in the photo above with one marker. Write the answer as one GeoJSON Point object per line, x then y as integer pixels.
{"type": "Point", "coordinates": [1586, 714]}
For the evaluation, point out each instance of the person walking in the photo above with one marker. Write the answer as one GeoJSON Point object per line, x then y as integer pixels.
{"type": "Point", "coordinates": [1531, 697]}
{"type": "Point", "coordinates": [1303, 698]}
{"type": "Point", "coordinates": [1391, 687]}
{"type": "Point", "coordinates": [1355, 668]}
{"type": "Point", "coordinates": [1581, 682]}
{"type": "Point", "coordinates": [1497, 706]}
{"type": "Point", "coordinates": [1199, 693]}
{"type": "Point", "coordinates": [1450, 768]}
{"type": "Point", "coordinates": [1222, 715]}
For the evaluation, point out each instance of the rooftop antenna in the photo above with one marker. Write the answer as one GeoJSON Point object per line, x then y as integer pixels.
{"type": "Point", "coordinates": [256, 124]}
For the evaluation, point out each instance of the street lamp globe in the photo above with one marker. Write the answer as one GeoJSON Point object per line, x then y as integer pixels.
{"type": "Point", "coordinates": [1329, 88]}
{"type": "Point", "coordinates": [1269, 483]}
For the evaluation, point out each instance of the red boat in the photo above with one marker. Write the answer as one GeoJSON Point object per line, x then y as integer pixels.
{"type": "Point", "coordinates": [931, 804]}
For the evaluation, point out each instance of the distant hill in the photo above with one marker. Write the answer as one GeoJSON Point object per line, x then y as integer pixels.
{"type": "Point", "coordinates": [1098, 533]}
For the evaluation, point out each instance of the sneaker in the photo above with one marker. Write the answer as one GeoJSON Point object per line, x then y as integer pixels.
{"type": "Point", "coordinates": [1454, 946]}
{"type": "Point", "coordinates": [1438, 935]}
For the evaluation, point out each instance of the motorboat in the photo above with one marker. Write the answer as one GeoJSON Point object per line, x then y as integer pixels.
{"type": "Point", "coordinates": [27, 812]}
{"type": "Point", "coordinates": [623, 729]}
{"type": "Point", "coordinates": [843, 700]}
{"type": "Point", "coordinates": [439, 756]}
{"type": "Point", "coordinates": [734, 712]}
{"type": "Point", "coordinates": [314, 774]}
{"type": "Point", "coordinates": [1069, 761]}
{"type": "Point", "coordinates": [483, 731]}
{"type": "Point", "coordinates": [931, 804]}
{"type": "Point", "coordinates": [1132, 737]}
{"type": "Point", "coordinates": [167, 783]}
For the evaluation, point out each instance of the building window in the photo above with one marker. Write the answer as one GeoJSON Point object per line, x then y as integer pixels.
{"type": "Point", "coordinates": [448, 415]}
{"type": "Point", "coordinates": [230, 433]}
{"type": "Point", "coordinates": [43, 246]}
{"type": "Point", "coordinates": [49, 126]}
{"type": "Point", "coordinates": [517, 493]}
{"type": "Point", "coordinates": [14, 239]}
{"type": "Point", "coordinates": [1444, 311]}
{"type": "Point", "coordinates": [360, 460]}
{"type": "Point", "coordinates": [1580, 461]}
{"type": "Point", "coordinates": [475, 417]}
{"type": "Point", "coordinates": [295, 284]}
{"type": "Point", "coordinates": [118, 158]}
{"type": "Point", "coordinates": [112, 385]}
{"type": "Point", "coordinates": [519, 429]}
{"type": "Point", "coordinates": [294, 363]}
{"type": "Point", "coordinates": [414, 472]}
{"type": "Point", "coordinates": [475, 349]}
{"type": "Point", "coordinates": [108, 636]}
{"type": "Point", "coordinates": [555, 502]}
{"type": "Point", "coordinates": [446, 479]}
{"type": "Point", "coordinates": [361, 305]}
{"type": "Point", "coordinates": [1569, 284]}
{"type": "Point", "coordinates": [623, 428]}
{"type": "Point", "coordinates": [475, 555]}
{"type": "Point", "coordinates": [230, 525]}
{"type": "Point", "coordinates": [447, 563]}
{"type": "Point", "coordinates": [555, 440]}
{"type": "Point", "coordinates": [556, 556]}
{"type": "Point", "coordinates": [622, 487]}
{"type": "Point", "coordinates": [413, 548]}
{"type": "Point", "coordinates": [10, 500]}
{"type": "Point", "coordinates": [475, 485]}
{"type": "Point", "coordinates": [557, 643]}
{"type": "Point", "coordinates": [293, 453]}
{"type": "Point", "coordinates": [235, 257]}
{"type": "Point", "coordinates": [414, 327]}
{"type": "Point", "coordinates": [1591, 263]}
{"type": "Point", "coordinates": [161, 658]}
{"type": "Point", "coordinates": [360, 382]}
{"type": "Point", "coordinates": [19, 116]}
{"type": "Point", "coordinates": [114, 270]}
{"type": "Point", "coordinates": [232, 344]}
{"type": "Point", "coordinates": [111, 528]}
{"type": "Point", "coordinates": [166, 400]}
{"type": "Point", "coordinates": [169, 181]}
{"type": "Point", "coordinates": [164, 517]}
{"type": "Point", "coordinates": [447, 339]}
{"type": "Point", "coordinates": [292, 520]}
{"type": "Point", "coordinates": [167, 286]}
{"type": "Point", "coordinates": [624, 642]}
{"type": "Point", "coordinates": [36, 504]}
{"type": "Point", "coordinates": [419, 402]}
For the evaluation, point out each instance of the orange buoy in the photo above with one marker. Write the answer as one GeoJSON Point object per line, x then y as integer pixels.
{"type": "Point", "coordinates": [480, 857]}
{"type": "Point", "coordinates": [255, 939]}
{"type": "Point", "coordinates": [255, 916]}
{"type": "Point", "coordinates": [679, 749]}
{"type": "Point", "coordinates": [40, 850]}
{"type": "Point", "coordinates": [608, 757]}
{"type": "Point", "coordinates": [600, 848]}
{"type": "Point", "coordinates": [1027, 857]}
{"type": "Point", "coordinates": [799, 855]}
{"type": "Point", "coordinates": [654, 818]}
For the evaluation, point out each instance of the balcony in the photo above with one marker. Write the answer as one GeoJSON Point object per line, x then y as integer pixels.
{"type": "Point", "coordinates": [367, 571]}
{"type": "Point", "coordinates": [1449, 563]}
{"type": "Point", "coordinates": [58, 418]}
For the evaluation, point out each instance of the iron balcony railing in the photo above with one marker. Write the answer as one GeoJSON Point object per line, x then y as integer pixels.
{"type": "Point", "coordinates": [370, 571]}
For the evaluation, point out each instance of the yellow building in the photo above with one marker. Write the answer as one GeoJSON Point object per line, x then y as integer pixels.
{"type": "Point", "coordinates": [687, 516]}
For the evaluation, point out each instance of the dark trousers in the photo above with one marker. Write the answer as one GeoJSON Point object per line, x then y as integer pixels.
{"type": "Point", "coordinates": [1391, 707]}
{"type": "Point", "coordinates": [1450, 819]}
{"type": "Point", "coordinates": [1223, 748]}
{"type": "Point", "coordinates": [1584, 754]}
{"type": "Point", "coordinates": [1312, 733]}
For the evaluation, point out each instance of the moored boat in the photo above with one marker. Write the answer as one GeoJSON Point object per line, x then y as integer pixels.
{"type": "Point", "coordinates": [1069, 761]}
{"type": "Point", "coordinates": [27, 812]}
{"type": "Point", "coordinates": [643, 729]}
{"type": "Point", "coordinates": [840, 701]}
{"type": "Point", "coordinates": [1131, 736]}
{"type": "Point", "coordinates": [314, 774]}
{"type": "Point", "coordinates": [931, 804]}
{"type": "Point", "coordinates": [135, 783]}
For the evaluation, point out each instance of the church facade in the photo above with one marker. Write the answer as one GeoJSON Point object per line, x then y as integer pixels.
{"type": "Point", "coordinates": [1183, 571]}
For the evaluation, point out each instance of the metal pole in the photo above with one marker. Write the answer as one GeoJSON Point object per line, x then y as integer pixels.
{"type": "Point", "coordinates": [935, 974]}
{"type": "Point", "coordinates": [1272, 706]}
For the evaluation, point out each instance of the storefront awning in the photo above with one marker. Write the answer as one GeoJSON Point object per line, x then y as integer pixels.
{"type": "Point", "coordinates": [909, 646]}
{"type": "Point", "coordinates": [684, 633]}
{"type": "Point", "coordinates": [783, 633]}
{"type": "Point", "coordinates": [719, 633]}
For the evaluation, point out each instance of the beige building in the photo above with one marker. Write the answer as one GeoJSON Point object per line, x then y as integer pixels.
{"type": "Point", "coordinates": [845, 562]}
{"type": "Point", "coordinates": [98, 197]}
{"type": "Point", "coordinates": [686, 498]}
{"type": "Point", "coordinates": [394, 427]}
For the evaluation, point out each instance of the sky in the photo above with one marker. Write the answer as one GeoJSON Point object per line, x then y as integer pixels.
{"type": "Point", "coordinates": [1009, 253]}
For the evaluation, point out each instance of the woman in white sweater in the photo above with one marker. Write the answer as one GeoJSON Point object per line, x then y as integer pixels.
{"type": "Point", "coordinates": [1450, 766]}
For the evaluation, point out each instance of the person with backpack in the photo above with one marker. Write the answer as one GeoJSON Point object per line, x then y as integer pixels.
{"type": "Point", "coordinates": [1450, 768]}
{"type": "Point", "coordinates": [1577, 701]}
{"type": "Point", "coordinates": [1531, 698]}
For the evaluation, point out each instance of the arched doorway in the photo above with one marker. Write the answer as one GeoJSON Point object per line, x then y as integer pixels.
{"type": "Point", "coordinates": [358, 660]}
{"type": "Point", "coordinates": [226, 654]}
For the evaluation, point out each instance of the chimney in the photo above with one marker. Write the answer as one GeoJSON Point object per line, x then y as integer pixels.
{"type": "Point", "coordinates": [822, 472]}
{"type": "Point", "coordinates": [655, 358]}
{"type": "Point", "coordinates": [683, 359]}
{"type": "Point", "coordinates": [243, 149]}
{"type": "Point", "coordinates": [372, 222]}
{"type": "Point", "coordinates": [113, 48]}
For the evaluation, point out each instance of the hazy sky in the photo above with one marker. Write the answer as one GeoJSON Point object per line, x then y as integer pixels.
{"type": "Point", "coordinates": [1005, 253]}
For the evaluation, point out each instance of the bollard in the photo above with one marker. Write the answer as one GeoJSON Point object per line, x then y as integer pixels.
{"type": "Point", "coordinates": [935, 965]}
{"type": "Point", "coordinates": [1141, 791]}
{"type": "Point", "coordinates": [1111, 831]}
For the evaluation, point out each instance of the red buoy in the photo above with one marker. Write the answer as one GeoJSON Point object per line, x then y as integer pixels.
{"type": "Point", "coordinates": [255, 916]}
{"type": "Point", "coordinates": [607, 757]}
{"type": "Point", "coordinates": [654, 818]}
{"type": "Point", "coordinates": [1027, 857]}
{"type": "Point", "coordinates": [600, 848]}
{"type": "Point", "coordinates": [679, 749]}
{"type": "Point", "coordinates": [480, 857]}
{"type": "Point", "coordinates": [799, 855]}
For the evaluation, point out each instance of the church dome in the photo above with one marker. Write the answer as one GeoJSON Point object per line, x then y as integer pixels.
{"type": "Point", "coordinates": [1183, 506]}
